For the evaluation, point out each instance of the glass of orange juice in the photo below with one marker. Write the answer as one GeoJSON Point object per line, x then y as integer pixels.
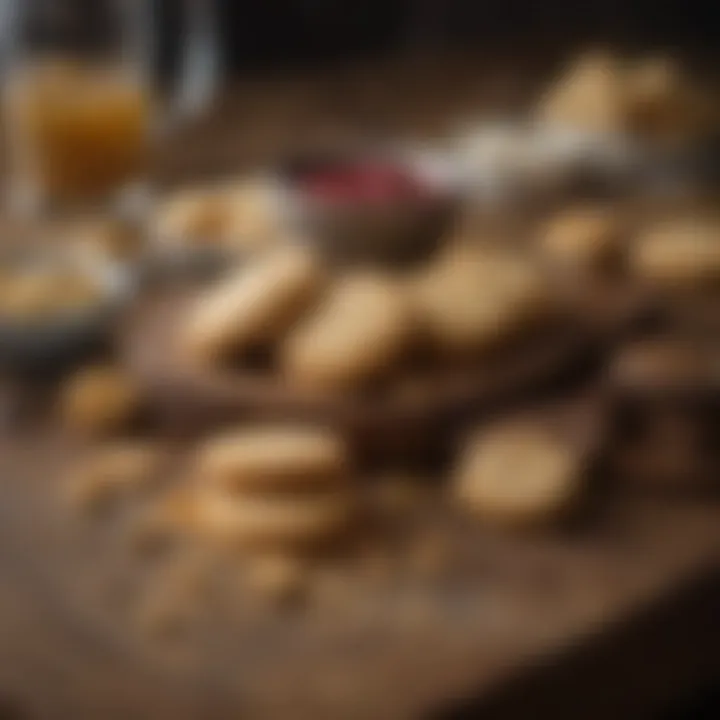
{"type": "Point", "coordinates": [81, 101]}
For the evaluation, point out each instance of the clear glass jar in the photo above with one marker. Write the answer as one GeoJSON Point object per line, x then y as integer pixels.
{"type": "Point", "coordinates": [82, 99]}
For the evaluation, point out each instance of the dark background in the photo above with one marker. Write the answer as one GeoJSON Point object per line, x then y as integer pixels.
{"type": "Point", "coordinates": [271, 32]}
{"type": "Point", "coordinates": [268, 34]}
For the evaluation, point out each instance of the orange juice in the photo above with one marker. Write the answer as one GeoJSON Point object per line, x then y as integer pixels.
{"type": "Point", "coordinates": [78, 131]}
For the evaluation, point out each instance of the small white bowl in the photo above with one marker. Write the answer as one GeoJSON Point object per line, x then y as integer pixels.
{"type": "Point", "coordinates": [170, 255]}
{"type": "Point", "coordinates": [55, 341]}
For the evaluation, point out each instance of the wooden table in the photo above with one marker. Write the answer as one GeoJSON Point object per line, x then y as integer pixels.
{"type": "Point", "coordinates": [613, 621]}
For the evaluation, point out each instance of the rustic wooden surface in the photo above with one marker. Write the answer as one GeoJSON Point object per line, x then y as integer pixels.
{"type": "Point", "coordinates": [612, 620]}
{"type": "Point", "coordinates": [616, 618]}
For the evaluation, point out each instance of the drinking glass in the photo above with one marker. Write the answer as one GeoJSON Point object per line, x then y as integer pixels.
{"type": "Point", "coordinates": [82, 96]}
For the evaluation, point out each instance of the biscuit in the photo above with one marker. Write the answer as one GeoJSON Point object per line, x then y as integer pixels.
{"type": "Point", "coordinates": [678, 254]}
{"type": "Point", "coordinates": [517, 475]}
{"type": "Point", "coordinates": [238, 215]}
{"type": "Point", "coordinates": [100, 400]}
{"type": "Point", "coordinates": [590, 96]}
{"type": "Point", "coordinates": [273, 457]}
{"type": "Point", "coordinates": [478, 300]}
{"type": "Point", "coordinates": [275, 521]}
{"type": "Point", "coordinates": [255, 305]}
{"type": "Point", "coordinates": [361, 330]}
{"type": "Point", "coordinates": [582, 239]}
{"type": "Point", "coordinates": [193, 217]}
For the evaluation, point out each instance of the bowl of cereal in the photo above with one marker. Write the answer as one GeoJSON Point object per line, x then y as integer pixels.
{"type": "Point", "coordinates": [55, 308]}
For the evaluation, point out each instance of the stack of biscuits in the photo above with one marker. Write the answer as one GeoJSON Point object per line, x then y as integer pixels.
{"type": "Point", "coordinates": [274, 488]}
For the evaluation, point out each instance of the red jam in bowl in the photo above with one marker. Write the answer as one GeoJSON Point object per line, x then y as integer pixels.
{"type": "Point", "coordinates": [375, 182]}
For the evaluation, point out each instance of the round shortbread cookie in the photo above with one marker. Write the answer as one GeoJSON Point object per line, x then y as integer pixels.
{"type": "Point", "coordinates": [678, 254]}
{"type": "Point", "coordinates": [273, 457]}
{"type": "Point", "coordinates": [517, 475]}
{"type": "Point", "coordinates": [478, 300]}
{"type": "Point", "coordinates": [582, 239]}
{"type": "Point", "coordinates": [277, 520]}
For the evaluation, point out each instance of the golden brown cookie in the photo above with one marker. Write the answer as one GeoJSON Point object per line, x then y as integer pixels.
{"type": "Point", "coordinates": [678, 254]}
{"type": "Point", "coordinates": [359, 332]}
{"type": "Point", "coordinates": [243, 214]}
{"type": "Point", "coordinates": [517, 475]}
{"type": "Point", "coordinates": [255, 305]}
{"type": "Point", "coordinates": [193, 217]}
{"type": "Point", "coordinates": [292, 521]}
{"type": "Point", "coordinates": [478, 300]}
{"type": "Point", "coordinates": [589, 96]}
{"type": "Point", "coordinates": [273, 457]}
{"type": "Point", "coordinates": [586, 239]}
